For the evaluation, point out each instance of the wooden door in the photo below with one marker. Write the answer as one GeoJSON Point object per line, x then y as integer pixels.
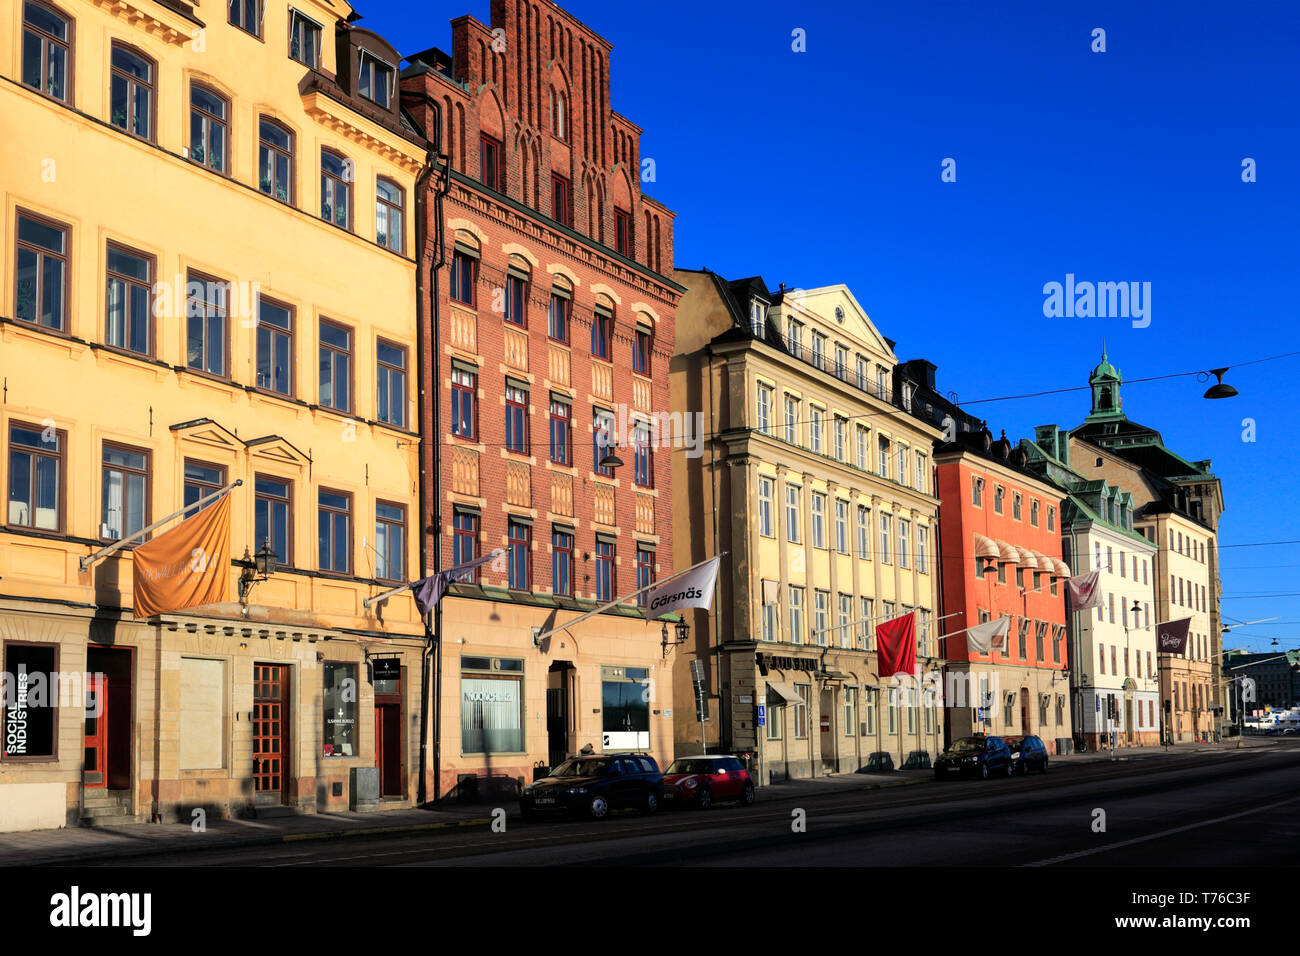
{"type": "Point", "coordinates": [388, 747]}
{"type": "Point", "coordinates": [94, 771]}
{"type": "Point", "coordinates": [270, 733]}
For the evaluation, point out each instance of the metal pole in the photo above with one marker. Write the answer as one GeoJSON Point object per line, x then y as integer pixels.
{"type": "Point", "coordinates": [104, 552]}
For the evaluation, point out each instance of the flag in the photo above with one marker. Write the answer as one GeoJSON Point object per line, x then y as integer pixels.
{"type": "Point", "coordinates": [1084, 591]}
{"type": "Point", "coordinates": [187, 566]}
{"type": "Point", "coordinates": [1171, 636]}
{"type": "Point", "coordinates": [693, 588]}
{"type": "Point", "coordinates": [991, 635]}
{"type": "Point", "coordinates": [896, 646]}
{"type": "Point", "coordinates": [429, 591]}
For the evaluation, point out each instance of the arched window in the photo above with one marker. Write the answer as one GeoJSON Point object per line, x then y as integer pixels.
{"type": "Point", "coordinates": [336, 177]}
{"type": "Point", "coordinates": [133, 92]}
{"type": "Point", "coordinates": [209, 128]}
{"type": "Point", "coordinates": [517, 277]}
{"type": "Point", "coordinates": [275, 160]}
{"type": "Point", "coordinates": [47, 50]}
{"type": "Point", "coordinates": [390, 219]}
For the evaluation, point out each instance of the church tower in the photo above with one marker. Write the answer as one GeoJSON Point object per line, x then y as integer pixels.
{"type": "Point", "coordinates": [1107, 405]}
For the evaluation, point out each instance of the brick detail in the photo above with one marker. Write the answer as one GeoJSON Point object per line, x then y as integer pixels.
{"type": "Point", "coordinates": [464, 330]}
{"type": "Point", "coordinates": [645, 513]}
{"type": "Point", "coordinates": [519, 485]}
{"type": "Point", "coordinates": [641, 394]}
{"type": "Point", "coordinates": [516, 349]}
{"type": "Point", "coordinates": [602, 381]}
{"type": "Point", "coordinates": [464, 471]}
{"type": "Point", "coordinates": [557, 366]}
{"type": "Point", "coordinates": [562, 494]}
{"type": "Point", "coordinates": [602, 505]}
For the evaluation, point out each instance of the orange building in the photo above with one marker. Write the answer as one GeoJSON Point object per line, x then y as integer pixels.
{"type": "Point", "coordinates": [1000, 541]}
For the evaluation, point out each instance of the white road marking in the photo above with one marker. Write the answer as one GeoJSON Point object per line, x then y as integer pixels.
{"type": "Point", "coordinates": [1161, 834]}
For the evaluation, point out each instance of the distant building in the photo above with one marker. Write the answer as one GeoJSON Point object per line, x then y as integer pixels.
{"type": "Point", "coordinates": [1275, 677]}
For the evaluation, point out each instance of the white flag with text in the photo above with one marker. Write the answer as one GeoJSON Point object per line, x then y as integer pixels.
{"type": "Point", "coordinates": [692, 589]}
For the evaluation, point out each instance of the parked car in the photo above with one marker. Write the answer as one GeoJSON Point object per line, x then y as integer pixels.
{"type": "Point", "coordinates": [979, 755]}
{"type": "Point", "coordinates": [592, 786]}
{"type": "Point", "coordinates": [1027, 753]}
{"type": "Point", "coordinates": [699, 781]}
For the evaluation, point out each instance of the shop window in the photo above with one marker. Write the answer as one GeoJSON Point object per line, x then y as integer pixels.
{"type": "Point", "coordinates": [340, 710]}
{"type": "Point", "coordinates": [491, 709]}
{"type": "Point", "coordinates": [30, 701]}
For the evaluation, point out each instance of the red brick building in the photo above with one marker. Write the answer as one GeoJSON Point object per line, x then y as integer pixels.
{"type": "Point", "coordinates": [548, 312]}
{"type": "Point", "coordinates": [1000, 537]}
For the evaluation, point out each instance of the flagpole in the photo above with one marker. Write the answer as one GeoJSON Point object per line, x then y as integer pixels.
{"type": "Point", "coordinates": [104, 552]}
{"type": "Point", "coordinates": [538, 638]}
{"type": "Point", "coordinates": [371, 601]}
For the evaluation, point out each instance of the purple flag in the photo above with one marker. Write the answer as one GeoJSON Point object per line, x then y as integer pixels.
{"type": "Point", "coordinates": [429, 591]}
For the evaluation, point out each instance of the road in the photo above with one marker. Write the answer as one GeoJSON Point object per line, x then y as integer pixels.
{"type": "Point", "coordinates": [1226, 808]}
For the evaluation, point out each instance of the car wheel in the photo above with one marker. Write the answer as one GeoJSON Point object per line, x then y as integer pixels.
{"type": "Point", "coordinates": [984, 771]}
{"type": "Point", "coordinates": [1043, 768]}
{"type": "Point", "coordinates": [599, 808]}
{"type": "Point", "coordinates": [747, 796]}
{"type": "Point", "coordinates": [650, 804]}
{"type": "Point", "coordinates": [704, 799]}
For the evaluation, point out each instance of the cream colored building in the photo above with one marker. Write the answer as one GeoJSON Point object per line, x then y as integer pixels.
{"type": "Point", "coordinates": [817, 484]}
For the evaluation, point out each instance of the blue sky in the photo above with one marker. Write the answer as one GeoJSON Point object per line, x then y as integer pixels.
{"type": "Point", "coordinates": [824, 166]}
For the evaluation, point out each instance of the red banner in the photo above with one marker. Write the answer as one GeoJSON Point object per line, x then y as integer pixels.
{"type": "Point", "coordinates": [896, 646]}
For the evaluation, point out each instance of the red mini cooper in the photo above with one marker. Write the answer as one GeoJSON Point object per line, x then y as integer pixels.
{"type": "Point", "coordinates": [699, 781]}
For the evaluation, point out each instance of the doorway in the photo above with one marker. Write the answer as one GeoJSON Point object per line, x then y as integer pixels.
{"type": "Point", "coordinates": [558, 684]}
{"type": "Point", "coordinates": [826, 722]}
{"type": "Point", "coordinates": [270, 734]}
{"type": "Point", "coordinates": [108, 723]}
{"type": "Point", "coordinates": [1024, 710]}
{"type": "Point", "coordinates": [1128, 720]}
{"type": "Point", "coordinates": [388, 747]}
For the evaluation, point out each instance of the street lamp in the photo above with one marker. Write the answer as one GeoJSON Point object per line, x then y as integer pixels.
{"type": "Point", "coordinates": [256, 568]}
{"type": "Point", "coordinates": [1221, 389]}
{"type": "Point", "coordinates": [610, 459]}
{"type": "Point", "coordinates": [681, 629]}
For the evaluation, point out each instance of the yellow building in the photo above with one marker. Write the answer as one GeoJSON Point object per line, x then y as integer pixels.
{"type": "Point", "coordinates": [818, 484]}
{"type": "Point", "coordinates": [209, 220]}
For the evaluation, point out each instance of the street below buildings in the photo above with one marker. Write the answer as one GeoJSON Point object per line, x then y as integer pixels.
{"type": "Point", "coordinates": [1230, 807]}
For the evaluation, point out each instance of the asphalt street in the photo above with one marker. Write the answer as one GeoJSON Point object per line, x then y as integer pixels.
{"type": "Point", "coordinates": [1225, 808]}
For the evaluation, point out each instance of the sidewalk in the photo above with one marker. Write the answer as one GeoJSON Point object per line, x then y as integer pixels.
{"type": "Point", "coordinates": [74, 844]}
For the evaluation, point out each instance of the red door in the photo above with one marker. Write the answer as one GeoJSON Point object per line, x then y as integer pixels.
{"type": "Point", "coordinates": [388, 748]}
{"type": "Point", "coordinates": [270, 732]}
{"type": "Point", "coordinates": [94, 773]}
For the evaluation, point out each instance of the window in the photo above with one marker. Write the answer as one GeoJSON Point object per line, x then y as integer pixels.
{"type": "Point", "coordinates": [793, 331]}
{"type": "Point", "coordinates": [274, 347]}
{"type": "Point", "coordinates": [904, 535]}
{"type": "Point", "coordinates": [519, 537]}
{"type": "Point", "coordinates": [815, 417]}
{"type": "Point", "coordinates": [775, 718]}
{"type": "Point", "coordinates": [390, 378]}
{"type": "Point", "coordinates": [999, 493]}
{"type": "Point", "coordinates": [864, 532]}
{"type": "Point", "coordinates": [604, 570]}
{"type": "Point", "coordinates": [1033, 513]}
{"type": "Point", "coordinates": [339, 706]}
{"type": "Point", "coordinates": [207, 320]}
{"type": "Point", "coordinates": [275, 160]}
{"type": "Point", "coordinates": [766, 489]}
{"type": "Point", "coordinates": [304, 39]}
{"type": "Point", "coordinates": [246, 14]}
{"type": "Point", "coordinates": [47, 51]}
{"type": "Point", "coordinates": [562, 563]}
{"type": "Point", "coordinates": [390, 541]}
{"type": "Point", "coordinates": [491, 165]}
{"type": "Point", "coordinates": [841, 432]}
{"type": "Point", "coordinates": [792, 513]}
{"type": "Point", "coordinates": [863, 458]}
{"type": "Point", "coordinates": [764, 417]}
{"type": "Point", "coordinates": [922, 473]}
{"type": "Point", "coordinates": [841, 362]}
{"type": "Point", "coordinates": [131, 93]}
{"type": "Point", "coordinates": [843, 634]}
{"type": "Point", "coordinates": [645, 574]}
{"type": "Point", "coordinates": [902, 477]}
{"type": "Point", "coordinates": [334, 531]}
{"type": "Point", "coordinates": [602, 440]}
{"type": "Point", "coordinates": [1015, 505]}
{"type": "Point", "coordinates": [516, 419]}
{"type": "Point", "coordinates": [977, 492]}
{"type": "Point", "coordinates": [1051, 518]}
{"type": "Point", "coordinates": [641, 351]}
{"type": "Point", "coordinates": [1040, 636]}
{"type": "Point", "coordinates": [561, 432]}
{"type": "Point", "coordinates": [864, 623]}
{"type": "Point", "coordinates": [819, 350]}
{"type": "Point", "coordinates": [374, 78]}
{"type": "Point", "coordinates": [643, 460]}
{"type": "Point", "coordinates": [559, 122]}
{"type": "Point", "coordinates": [821, 602]}
{"type": "Point", "coordinates": [25, 662]}
{"type": "Point", "coordinates": [36, 477]}
{"type": "Point", "coordinates": [869, 712]}
{"type": "Point", "coordinates": [201, 480]}
{"type": "Point", "coordinates": [41, 272]}
{"type": "Point", "coordinates": [771, 614]}
{"type": "Point", "coordinates": [757, 317]}
{"type": "Point", "coordinates": [922, 548]}
{"type": "Point", "coordinates": [882, 384]}
{"type": "Point", "coordinates": [464, 403]}
{"type": "Point", "coordinates": [796, 615]}
{"type": "Point", "coordinates": [464, 270]}
{"type": "Point", "coordinates": [818, 520]}
{"type": "Point", "coordinates": [491, 705]}
{"type": "Point", "coordinates": [561, 200]}
{"type": "Point", "coordinates": [464, 538]}
{"type": "Point", "coordinates": [884, 538]}
{"type": "Point", "coordinates": [125, 501]}
{"type": "Point", "coordinates": [129, 301]}
{"type": "Point", "coordinates": [841, 526]}
{"type": "Point", "coordinates": [622, 232]}
{"type": "Point", "coordinates": [602, 332]}
{"type": "Point", "coordinates": [335, 366]}
{"type": "Point", "coordinates": [336, 189]}
{"type": "Point", "coordinates": [272, 504]}
{"type": "Point", "coordinates": [517, 299]}
{"type": "Point", "coordinates": [882, 455]}
{"type": "Point", "coordinates": [209, 132]}
{"type": "Point", "coordinates": [792, 420]}
{"type": "Point", "coordinates": [557, 320]}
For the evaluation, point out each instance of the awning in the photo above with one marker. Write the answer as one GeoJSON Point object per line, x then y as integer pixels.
{"type": "Point", "coordinates": [985, 547]}
{"type": "Point", "coordinates": [1009, 553]}
{"type": "Point", "coordinates": [1062, 569]}
{"type": "Point", "coordinates": [1045, 564]}
{"type": "Point", "coordinates": [1029, 559]}
{"type": "Point", "coordinates": [785, 690]}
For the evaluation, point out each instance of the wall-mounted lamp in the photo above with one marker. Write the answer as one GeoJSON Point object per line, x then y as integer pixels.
{"type": "Point", "coordinates": [257, 568]}
{"type": "Point", "coordinates": [682, 631]}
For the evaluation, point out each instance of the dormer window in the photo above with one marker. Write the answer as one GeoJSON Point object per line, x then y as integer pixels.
{"type": "Point", "coordinates": [375, 79]}
{"type": "Point", "coordinates": [757, 316]}
{"type": "Point", "coordinates": [304, 39]}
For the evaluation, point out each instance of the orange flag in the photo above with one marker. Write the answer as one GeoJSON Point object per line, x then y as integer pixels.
{"type": "Point", "coordinates": [187, 566]}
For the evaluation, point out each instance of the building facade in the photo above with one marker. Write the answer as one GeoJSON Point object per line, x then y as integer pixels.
{"type": "Point", "coordinates": [817, 487]}
{"type": "Point", "coordinates": [1113, 655]}
{"type": "Point", "coordinates": [191, 191]}
{"type": "Point", "coordinates": [550, 335]}
{"type": "Point", "coordinates": [1001, 546]}
{"type": "Point", "coordinates": [1181, 522]}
